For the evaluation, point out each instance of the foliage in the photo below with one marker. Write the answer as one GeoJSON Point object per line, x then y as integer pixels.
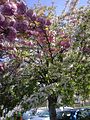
{"type": "Point", "coordinates": [43, 50]}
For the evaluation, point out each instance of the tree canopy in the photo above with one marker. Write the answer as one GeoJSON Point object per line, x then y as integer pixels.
{"type": "Point", "coordinates": [43, 53]}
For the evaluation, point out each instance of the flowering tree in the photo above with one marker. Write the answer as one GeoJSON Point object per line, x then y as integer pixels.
{"type": "Point", "coordinates": [46, 50]}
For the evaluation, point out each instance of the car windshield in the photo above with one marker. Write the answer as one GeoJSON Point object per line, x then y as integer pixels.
{"type": "Point", "coordinates": [44, 113]}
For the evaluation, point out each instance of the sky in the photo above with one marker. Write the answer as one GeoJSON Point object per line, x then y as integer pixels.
{"type": "Point", "coordinates": [58, 3]}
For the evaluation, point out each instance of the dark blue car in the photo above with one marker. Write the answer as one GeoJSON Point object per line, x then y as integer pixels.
{"type": "Point", "coordinates": [74, 114]}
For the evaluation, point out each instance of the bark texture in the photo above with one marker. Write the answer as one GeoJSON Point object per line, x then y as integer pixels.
{"type": "Point", "coordinates": [52, 100]}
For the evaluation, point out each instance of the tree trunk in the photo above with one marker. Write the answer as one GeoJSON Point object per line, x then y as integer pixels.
{"type": "Point", "coordinates": [0, 113]}
{"type": "Point", "coordinates": [52, 100]}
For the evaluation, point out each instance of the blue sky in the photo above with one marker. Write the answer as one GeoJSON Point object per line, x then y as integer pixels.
{"type": "Point", "coordinates": [58, 3]}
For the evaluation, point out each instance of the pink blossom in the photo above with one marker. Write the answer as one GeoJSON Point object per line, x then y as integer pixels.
{"type": "Point", "coordinates": [65, 43]}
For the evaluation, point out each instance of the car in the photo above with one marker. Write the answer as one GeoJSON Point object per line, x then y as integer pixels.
{"type": "Point", "coordinates": [41, 115]}
{"type": "Point", "coordinates": [36, 114]}
{"type": "Point", "coordinates": [66, 114]}
{"type": "Point", "coordinates": [28, 114]}
{"type": "Point", "coordinates": [83, 114]}
{"type": "Point", "coordinates": [74, 114]}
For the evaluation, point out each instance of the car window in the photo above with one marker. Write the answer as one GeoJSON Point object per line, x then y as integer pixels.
{"type": "Point", "coordinates": [44, 113]}
{"type": "Point", "coordinates": [83, 114]}
{"type": "Point", "coordinates": [63, 115]}
{"type": "Point", "coordinates": [59, 114]}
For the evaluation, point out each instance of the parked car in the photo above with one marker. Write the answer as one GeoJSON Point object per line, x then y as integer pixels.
{"type": "Point", "coordinates": [74, 114]}
{"type": "Point", "coordinates": [36, 114]}
{"type": "Point", "coordinates": [68, 114]}
{"type": "Point", "coordinates": [42, 115]}
{"type": "Point", "coordinates": [28, 114]}
{"type": "Point", "coordinates": [83, 114]}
